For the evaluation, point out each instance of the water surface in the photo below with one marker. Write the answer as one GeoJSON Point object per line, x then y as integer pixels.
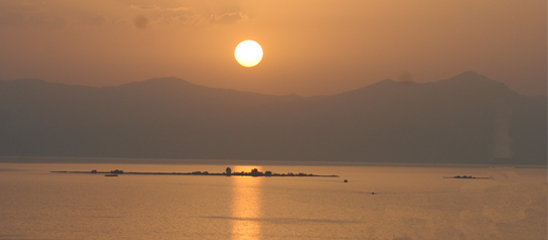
{"type": "Point", "coordinates": [409, 203]}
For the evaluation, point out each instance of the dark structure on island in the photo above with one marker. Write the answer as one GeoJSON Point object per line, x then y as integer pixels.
{"type": "Point", "coordinates": [228, 172]}
{"type": "Point", "coordinates": [256, 173]}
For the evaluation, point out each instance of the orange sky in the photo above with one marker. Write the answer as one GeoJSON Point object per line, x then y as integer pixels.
{"type": "Point", "coordinates": [310, 47]}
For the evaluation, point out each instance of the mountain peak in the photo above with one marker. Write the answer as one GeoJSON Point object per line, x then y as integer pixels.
{"type": "Point", "coordinates": [470, 79]}
{"type": "Point", "coordinates": [468, 74]}
{"type": "Point", "coordinates": [165, 80]}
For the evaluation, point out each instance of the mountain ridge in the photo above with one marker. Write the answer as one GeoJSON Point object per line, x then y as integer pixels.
{"type": "Point", "coordinates": [469, 76]}
{"type": "Point", "coordinates": [449, 121]}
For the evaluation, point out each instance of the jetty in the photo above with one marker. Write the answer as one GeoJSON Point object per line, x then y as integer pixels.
{"type": "Point", "coordinates": [253, 173]}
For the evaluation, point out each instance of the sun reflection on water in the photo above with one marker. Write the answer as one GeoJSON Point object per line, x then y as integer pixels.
{"type": "Point", "coordinates": [246, 205]}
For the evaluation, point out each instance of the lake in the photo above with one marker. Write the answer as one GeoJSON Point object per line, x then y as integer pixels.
{"type": "Point", "coordinates": [410, 202]}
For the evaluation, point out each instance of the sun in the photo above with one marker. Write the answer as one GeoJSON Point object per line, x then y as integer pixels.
{"type": "Point", "coordinates": [248, 53]}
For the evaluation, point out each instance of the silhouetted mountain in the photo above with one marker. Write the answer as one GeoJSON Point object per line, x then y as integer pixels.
{"type": "Point", "coordinates": [466, 119]}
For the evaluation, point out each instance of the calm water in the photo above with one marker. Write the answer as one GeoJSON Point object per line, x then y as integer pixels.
{"type": "Point", "coordinates": [409, 203]}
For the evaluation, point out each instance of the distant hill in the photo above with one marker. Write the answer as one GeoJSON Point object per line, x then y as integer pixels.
{"type": "Point", "coordinates": [466, 119]}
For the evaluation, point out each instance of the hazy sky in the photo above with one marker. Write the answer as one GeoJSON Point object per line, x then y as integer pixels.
{"type": "Point", "coordinates": [310, 47]}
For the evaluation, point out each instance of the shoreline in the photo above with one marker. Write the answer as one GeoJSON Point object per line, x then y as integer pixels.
{"type": "Point", "coordinates": [198, 173]}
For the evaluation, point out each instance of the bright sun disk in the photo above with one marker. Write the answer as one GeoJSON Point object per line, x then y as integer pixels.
{"type": "Point", "coordinates": [248, 53]}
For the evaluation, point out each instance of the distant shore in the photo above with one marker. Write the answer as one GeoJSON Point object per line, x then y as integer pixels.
{"type": "Point", "coordinates": [253, 173]}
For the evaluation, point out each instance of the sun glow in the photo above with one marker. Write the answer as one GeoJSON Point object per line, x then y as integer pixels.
{"type": "Point", "coordinates": [248, 53]}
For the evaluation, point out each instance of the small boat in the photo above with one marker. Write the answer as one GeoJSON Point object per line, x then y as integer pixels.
{"type": "Point", "coordinates": [111, 175]}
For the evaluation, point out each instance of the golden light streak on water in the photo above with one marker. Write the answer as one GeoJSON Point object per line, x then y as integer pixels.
{"type": "Point", "coordinates": [246, 205]}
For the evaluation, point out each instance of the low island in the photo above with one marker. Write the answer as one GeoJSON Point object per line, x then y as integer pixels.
{"type": "Point", "coordinates": [467, 177]}
{"type": "Point", "coordinates": [254, 173]}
